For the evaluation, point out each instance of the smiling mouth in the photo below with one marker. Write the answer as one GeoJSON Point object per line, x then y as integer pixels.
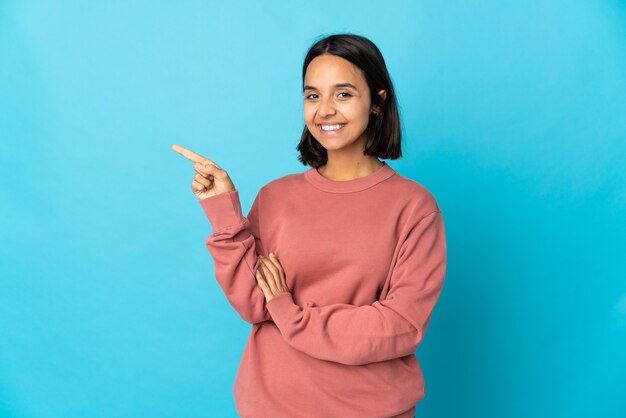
{"type": "Point", "coordinates": [336, 128]}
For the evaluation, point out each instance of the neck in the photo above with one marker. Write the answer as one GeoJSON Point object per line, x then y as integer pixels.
{"type": "Point", "coordinates": [343, 168]}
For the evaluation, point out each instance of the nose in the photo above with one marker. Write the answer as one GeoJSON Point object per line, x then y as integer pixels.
{"type": "Point", "coordinates": [326, 107]}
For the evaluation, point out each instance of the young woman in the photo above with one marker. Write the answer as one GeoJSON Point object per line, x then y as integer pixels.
{"type": "Point", "coordinates": [357, 253]}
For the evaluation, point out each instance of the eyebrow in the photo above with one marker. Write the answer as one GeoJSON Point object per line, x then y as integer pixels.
{"type": "Point", "coordinates": [336, 85]}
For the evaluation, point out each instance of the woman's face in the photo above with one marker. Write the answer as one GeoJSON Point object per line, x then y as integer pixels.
{"type": "Point", "coordinates": [336, 93]}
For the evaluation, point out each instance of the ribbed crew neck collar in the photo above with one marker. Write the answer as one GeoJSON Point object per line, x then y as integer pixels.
{"type": "Point", "coordinates": [348, 186]}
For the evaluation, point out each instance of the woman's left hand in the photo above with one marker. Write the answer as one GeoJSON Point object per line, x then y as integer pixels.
{"type": "Point", "coordinates": [274, 282]}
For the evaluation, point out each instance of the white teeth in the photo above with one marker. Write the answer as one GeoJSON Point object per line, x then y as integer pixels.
{"type": "Point", "coordinates": [331, 127]}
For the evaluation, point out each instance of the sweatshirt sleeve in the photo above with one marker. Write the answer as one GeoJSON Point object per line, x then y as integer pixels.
{"type": "Point", "coordinates": [235, 244]}
{"type": "Point", "coordinates": [387, 329]}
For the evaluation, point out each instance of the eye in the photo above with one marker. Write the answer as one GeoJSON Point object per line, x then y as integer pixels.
{"type": "Point", "coordinates": [343, 92]}
{"type": "Point", "coordinates": [309, 96]}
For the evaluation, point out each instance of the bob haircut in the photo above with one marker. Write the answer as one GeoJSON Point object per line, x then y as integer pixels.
{"type": "Point", "coordinates": [383, 129]}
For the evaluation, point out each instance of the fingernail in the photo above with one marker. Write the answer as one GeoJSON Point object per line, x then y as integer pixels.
{"type": "Point", "coordinates": [272, 255]}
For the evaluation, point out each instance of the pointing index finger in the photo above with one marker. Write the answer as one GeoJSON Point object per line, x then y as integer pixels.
{"type": "Point", "coordinates": [190, 155]}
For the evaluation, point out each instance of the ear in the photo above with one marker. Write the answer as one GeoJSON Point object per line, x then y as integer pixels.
{"type": "Point", "coordinates": [382, 94]}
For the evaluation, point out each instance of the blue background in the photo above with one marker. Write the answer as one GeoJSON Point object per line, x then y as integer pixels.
{"type": "Point", "coordinates": [513, 116]}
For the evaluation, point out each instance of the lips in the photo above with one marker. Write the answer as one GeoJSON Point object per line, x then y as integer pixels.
{"type": "Point", "coordinates": [331, 132]}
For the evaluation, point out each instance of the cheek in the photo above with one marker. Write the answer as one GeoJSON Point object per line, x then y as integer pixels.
{"type": "Point", "coordinates": [357, 114]}
{"type": "Point", "coordinates": [309, 114]}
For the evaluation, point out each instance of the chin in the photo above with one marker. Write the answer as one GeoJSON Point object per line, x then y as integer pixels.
{"type": "Point", "coordinates": [334, 146]}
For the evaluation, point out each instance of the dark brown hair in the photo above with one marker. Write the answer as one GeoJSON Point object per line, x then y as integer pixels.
{"type": "Point", "coordinates": [383, 130]}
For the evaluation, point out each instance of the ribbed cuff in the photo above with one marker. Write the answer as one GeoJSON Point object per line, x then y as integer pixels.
{"type": "Point", "coordinates": [223, 210]}
{"type": "Point", "coordinates": [282, 308]}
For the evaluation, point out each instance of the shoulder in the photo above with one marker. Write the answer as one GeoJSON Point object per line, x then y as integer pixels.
{"type": "Point", "coordinates": [284, 184]}
{"type": "Point", "coordinates": [415, 196]}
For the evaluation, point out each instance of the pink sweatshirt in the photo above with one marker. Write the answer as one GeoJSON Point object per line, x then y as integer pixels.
{"type": "Point", "coordinates": [365, 261]}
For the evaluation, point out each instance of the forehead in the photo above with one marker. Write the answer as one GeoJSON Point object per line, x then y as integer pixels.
{"type": "Point", "coordinates": [331, 69]}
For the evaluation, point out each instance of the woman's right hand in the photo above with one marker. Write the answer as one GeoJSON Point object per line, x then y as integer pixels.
{"type": "Point", "coordinates": [211, 180]}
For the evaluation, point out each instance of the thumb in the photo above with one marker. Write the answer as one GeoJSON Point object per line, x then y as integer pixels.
{"type": "Point", "coordinates": [211, 168]}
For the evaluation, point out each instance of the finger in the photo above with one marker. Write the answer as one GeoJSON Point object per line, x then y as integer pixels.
{"type": "Point", "coordinates": [270, 265]}
{"type": "Point", "coordinates": [211, 170]}
{"type": "Point", "coordinates": [274, 264]}
{"type": "Point", "coordinates": [204, 168]}
{"type": "Point", "coordinates": [282, 280]}
{"type": "Point", "coordinates": [207, 171]}
{"type": "Point", "coordinates": [278, 269]}
{"type": "Point", "coordinates": [199, 188]}
{"type": "Point", "coordinates": [263, 285]}
{"type": "Point", "coordinates": [270, 278]}
{"type": "Point", "coordinates": [261, 271]}
{"type": "Point", "coordinates": [202, 180]}
{"type": "Point", "coordinates": [279, 275]}
{"type": "Point", "coordinates": [277, 263]}
{"type": "Point", "coordinates": [190, 155]}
